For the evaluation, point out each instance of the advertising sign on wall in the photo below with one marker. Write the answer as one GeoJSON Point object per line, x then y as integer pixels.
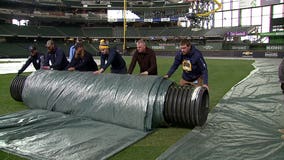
{"type": "Point", "coordinates": [269, 2]}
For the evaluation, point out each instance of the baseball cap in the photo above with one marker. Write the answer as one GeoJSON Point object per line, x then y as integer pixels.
{"type": "Point", "coordinates": [31, 48]}
{"type": "Point", "coordinates": [49, 43]}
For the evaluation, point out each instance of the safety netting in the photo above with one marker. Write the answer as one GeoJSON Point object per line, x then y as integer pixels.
{"type": "Point", "coordinates": [244, 125]}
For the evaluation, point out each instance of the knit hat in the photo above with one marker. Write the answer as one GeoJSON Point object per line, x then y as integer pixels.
{"type": "Point", "coordinates": [103, 44]}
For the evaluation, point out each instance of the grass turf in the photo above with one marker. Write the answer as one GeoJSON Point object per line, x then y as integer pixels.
{"type": "Point", "coordinates": [223, 74]}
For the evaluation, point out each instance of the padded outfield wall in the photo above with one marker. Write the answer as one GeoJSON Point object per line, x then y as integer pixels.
{"type": "Point", "coordinates": [18, 49]}
{"type": "Point", "coordinates": [219, 49]}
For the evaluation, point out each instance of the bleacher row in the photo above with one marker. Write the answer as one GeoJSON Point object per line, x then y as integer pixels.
{"type": "Point", "coordinates": [20, 49]}
{"type": "Point", "coordinates": [18, 38]}
{"type": "Point", "coordinates": [112, 32]}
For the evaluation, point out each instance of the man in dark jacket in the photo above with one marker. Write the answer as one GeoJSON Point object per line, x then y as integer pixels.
{"type": "Point", "coordinates": [193, 65]}
{"type": "Point", "coordinates": [82, 60]}
{"type": "Point", "coordinates": [55, 57]}
{"type": "Point", "coordinates": [36, 58]}
{"type": "Point", "coordinates": [112, 57]}
{"type": "Point", "coordinates": [146, 59]}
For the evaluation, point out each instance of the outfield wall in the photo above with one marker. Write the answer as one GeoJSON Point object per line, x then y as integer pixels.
{"type": "Point", "coordinates": [18, 49]}
{"type": "Point", "coordinates": [219, 49]}
{"type": "Point", "coordinates": [229, 53]}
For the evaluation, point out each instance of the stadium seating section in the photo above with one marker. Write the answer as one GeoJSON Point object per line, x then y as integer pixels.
{"type": "Point", "coordinates": [23, 36]}
{"type": "Point", "coordinates": [112, 32]}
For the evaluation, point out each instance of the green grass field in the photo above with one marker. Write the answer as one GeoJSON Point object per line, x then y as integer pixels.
{"type": "Point", "coordinates": [223, 74]}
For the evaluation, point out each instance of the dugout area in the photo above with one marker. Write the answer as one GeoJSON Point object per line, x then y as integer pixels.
{"type": "Point", "coordinates": [244, 125]}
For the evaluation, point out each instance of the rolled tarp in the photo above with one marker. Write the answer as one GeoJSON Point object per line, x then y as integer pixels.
{"type": "Point", "coordinates": [16, 87]}
{"type": "Point", "coordinates": [79, 115]}
{"type": "Point", "coordinates": [118, 99]}
{"type": "Point", "coordinates": [158, 98]}
{"type": "Point", "coordinates": [186, 106]}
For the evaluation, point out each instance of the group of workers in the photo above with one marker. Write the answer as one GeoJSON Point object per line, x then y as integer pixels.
{"type": "Point", "coordinates": [192, 61]}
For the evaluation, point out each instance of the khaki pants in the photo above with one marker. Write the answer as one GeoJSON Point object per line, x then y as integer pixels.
{"type": "Point", "coordinates": [183, 82]}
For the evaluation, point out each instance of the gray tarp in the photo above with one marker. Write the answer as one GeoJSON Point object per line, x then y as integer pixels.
{"type": "Point", "coordinates": [41, 134]}
{"type": "Point", "coordinates": [244, 125]}
{"type": "Point", "coordinates": [119, 99]}
{"type": "Point", "coordinates": [79, 115]}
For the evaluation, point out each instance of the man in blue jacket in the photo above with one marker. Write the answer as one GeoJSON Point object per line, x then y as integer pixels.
{"type": "Point", "coordinates": [112, 57]}
{"type": "Point", "coordinates": [193, 65]}
{"type": "Point", "coordinates": [55, 57]}
{"type": "Point", "coordinates": [36, 58]}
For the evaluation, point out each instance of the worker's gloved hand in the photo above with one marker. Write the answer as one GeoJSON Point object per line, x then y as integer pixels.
{"type": "Point", "coordinates": [144, 73]}
{"type": "Point", "coordinates": [166, 76]}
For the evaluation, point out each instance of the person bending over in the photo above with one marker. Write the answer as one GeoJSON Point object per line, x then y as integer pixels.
{"type": "Point", "coordinates": [55, 57]}
{"type": "Point", "coordinates": [193, 65]}
{"type": "Point", "coordinates": [112, 57]}
{"type": "Point", "coordinates": [146, 59]}
{"type": "Point", "coordinates": [35, 57]}
{"type": "Point", "coordinates": [82, 60]}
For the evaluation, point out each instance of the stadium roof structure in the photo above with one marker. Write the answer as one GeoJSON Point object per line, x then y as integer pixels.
{"type": "Point", "coordinates": [196, 13]}
{"type": "Point", "coordinates": [98, 3]}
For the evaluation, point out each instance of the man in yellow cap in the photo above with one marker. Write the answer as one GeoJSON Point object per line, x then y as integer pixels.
{"type": "Point", "coordinates": [112, 57]}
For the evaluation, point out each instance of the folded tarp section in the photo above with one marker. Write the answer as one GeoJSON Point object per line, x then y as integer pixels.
{"type": "Point", "coordinates": [79, 115]}
{"type": "Point", "coordinates": [244, 125]}
{"type": "Point", "coordinates": [42, 135]}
